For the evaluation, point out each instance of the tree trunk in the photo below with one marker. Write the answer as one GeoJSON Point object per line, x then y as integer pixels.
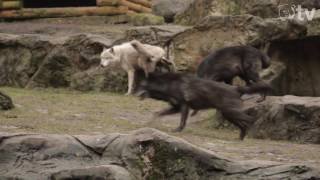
{"type": "Point", "coordinates": [130, 5]}
{"type": "Point", "coordinates": [145, 3]}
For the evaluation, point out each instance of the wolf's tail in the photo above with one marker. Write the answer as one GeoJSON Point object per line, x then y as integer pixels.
{"type": "Point", "coordinates": [138, 46]}
{"type": "Point", "coordinates": [255, 88]}
{"type": "Point", "coordinates": [265, 60]}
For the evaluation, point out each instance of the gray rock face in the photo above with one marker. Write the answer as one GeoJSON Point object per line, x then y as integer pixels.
{"type": "Point", "coordinates": [192, 45]}
{"type": "Point", "coordinates": [155, 35]}
{"type": "Point", "coordinates": [264, 9]}
{"type": "Point", "coordinates": [286, 118]}
{"type": "Point", "coordinates": [169, 8]}
{"type": "Point", "coordinates": [143, 154]}
{"type": "Point", "coordinates": [47, 61]}
{"type": "Point", "coordinates": [301, 58]}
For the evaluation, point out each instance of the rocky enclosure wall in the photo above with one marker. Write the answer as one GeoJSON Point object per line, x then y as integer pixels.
{"type": "Point", "coordinates": [143, 154]}
{"type": "Point", "coordinates": [43, 61]}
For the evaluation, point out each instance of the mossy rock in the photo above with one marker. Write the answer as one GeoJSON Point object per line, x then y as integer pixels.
{"type": "Point", "coordinates": [136, 19]}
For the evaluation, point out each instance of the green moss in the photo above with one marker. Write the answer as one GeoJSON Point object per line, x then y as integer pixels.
{"type": "Point", "coordinates": [170, 163]}
{"type": "Point", "coordinates": [136, 19]}
{"type": "Point", "coordinates": [143, 19]}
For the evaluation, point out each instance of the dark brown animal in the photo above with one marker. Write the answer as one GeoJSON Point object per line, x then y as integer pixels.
{"type": "Point", "coordinates": [185, 92]}
{"type": "Point", "coordinates": [227, 63]}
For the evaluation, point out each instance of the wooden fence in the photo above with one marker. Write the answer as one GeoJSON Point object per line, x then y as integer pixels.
{"type": "Point", "coordinates": [13, 9]}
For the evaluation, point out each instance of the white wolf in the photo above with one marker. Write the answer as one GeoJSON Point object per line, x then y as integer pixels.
{"type": "Point", "coordinates": [134, 55]}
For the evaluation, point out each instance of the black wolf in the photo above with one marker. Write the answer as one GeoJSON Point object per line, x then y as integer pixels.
{"type": "Point", "coordinates": [184, 92]}
{"type": "Point", "coordinates": [227, 63]}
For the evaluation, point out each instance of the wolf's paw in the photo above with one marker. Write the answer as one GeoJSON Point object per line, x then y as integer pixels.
{"type": "Point", "coordinates": [179, 129]}
{"type": "Point", "coordinates": [127, 94]}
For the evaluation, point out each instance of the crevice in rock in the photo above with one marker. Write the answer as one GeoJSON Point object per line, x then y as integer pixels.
{"type": "Point", "coordinates": [95, 151]}
{"type": "Point", "coordinates": [302, 60]}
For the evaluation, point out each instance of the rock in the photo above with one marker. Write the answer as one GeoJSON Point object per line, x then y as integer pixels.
{"type": "Point", "coordinates": [274, 75]}
{"type": "Point", "coordinates": [169, 8]}
{"type": "Point", "coordinates": [142, 154]}
{"type": "Point", "coordinates": [264, 9]}
{"type": "Point", "coordinates": [5, 102]}
{"type": "Point", "coordinates": [192, 45]}
{"type": "Point", "coordinates": [289, 118]}
{"type": "Point", "coordinates": [301, 77]}
{"type": "Point", "coordinates": [311, 4]}
{"type": "Point", "coordinates": [47, 61]}
{"type": "Point", "coordinates": [136, 19]}
{"type": "Point", "coordinates": [155, 35]}
{"type": "Point", "coordinates": [202, 8]}
{"type": "Point", "coordinates": [314, 25]}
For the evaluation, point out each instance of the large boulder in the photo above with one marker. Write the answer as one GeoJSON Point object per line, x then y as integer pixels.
{"type": "Point", "coordinates": [169, 8]}
{"type": "Point", "coordinates": [192, 45]}
{"type": "Point", "coordinates": [142, 154]}
{"type": "Point", "coordinates": [289, 118]}
{"type": "Point", "coordinates": [265, 9]}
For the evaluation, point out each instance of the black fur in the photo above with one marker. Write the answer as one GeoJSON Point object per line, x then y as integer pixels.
{"type": "Point", "coordinates": [185, 92]}
{"type": "Point", "coordinates": [227, 63]}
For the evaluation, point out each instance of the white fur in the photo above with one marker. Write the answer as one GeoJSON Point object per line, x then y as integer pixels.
{"type": "Point", "coordinates": [131, 56]}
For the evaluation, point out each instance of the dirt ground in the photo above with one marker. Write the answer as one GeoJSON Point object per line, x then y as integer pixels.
{"type": "Point", "coordinates": [69, 112]}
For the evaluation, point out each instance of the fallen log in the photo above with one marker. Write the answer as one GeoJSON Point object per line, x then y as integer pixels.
{"type": "Point", "coordinates": [62, 12]}
{"type": "Point", "coordinates": [10, 4]}
{"type": "Point", "coordinates": [130, 5]}
{"type": "Point", "coordinates": [145, 3]}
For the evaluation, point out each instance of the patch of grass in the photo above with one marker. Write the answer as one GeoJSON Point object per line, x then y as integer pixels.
{"type": "Point", "coordinates": [74, 112]}
{"type": "Point", "coordinates": [63, 111]}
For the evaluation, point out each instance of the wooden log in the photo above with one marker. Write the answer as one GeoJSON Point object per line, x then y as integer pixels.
{"type": "Point", "coordinates": [62, 12]}
{"type": "Point", "coordinates": [130, 5]}
{"type": "Point", "coordinates": [144, 3]}
{"type": "Point", "coordinates": [6, 5]}
{"type": "Point", "coordinates": [108, 3]}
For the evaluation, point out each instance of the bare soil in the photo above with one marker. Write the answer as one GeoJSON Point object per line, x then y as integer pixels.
{"type": "Point", "coordinates": [61, 111]}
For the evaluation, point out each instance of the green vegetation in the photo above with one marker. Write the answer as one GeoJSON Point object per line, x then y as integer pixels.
{"type": "Point", "coordinates": [74, 112]}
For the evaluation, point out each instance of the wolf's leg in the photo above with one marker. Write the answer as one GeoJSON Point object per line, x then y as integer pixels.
{"type": "Point", "coordinates": [169, 111]}
{"type": "Point", "coordinates": [239, 119]}
{"type": "Point", "coordinates": [255, 78]}
{"type": "Point", "coordinates": [130, 81]}
{"type": "Point", "coordinates": [195, 112]}
{"type": "Point", "coordinates": [184, 116]}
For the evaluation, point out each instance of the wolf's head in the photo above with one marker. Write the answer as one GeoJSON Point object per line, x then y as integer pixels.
{"type": "Point", "coordinates": [159, 85]}
{"type": "Point", "coordinates": [108, 56]}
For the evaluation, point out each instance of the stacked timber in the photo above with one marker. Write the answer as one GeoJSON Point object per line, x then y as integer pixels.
{"type": "Point", "coordinates": [139, 6]}
{"type": "Point", "coordinates": [62, 12]}
{"type": "Point", "coordinates": [13, 9]}
{"type": "Point", "coordinates": [10, 4]}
